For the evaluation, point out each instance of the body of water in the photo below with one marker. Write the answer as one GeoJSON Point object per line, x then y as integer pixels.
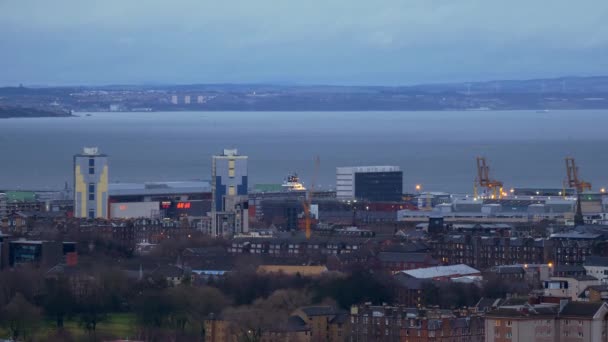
{"type": "Point", "coordinates": [435, 149]}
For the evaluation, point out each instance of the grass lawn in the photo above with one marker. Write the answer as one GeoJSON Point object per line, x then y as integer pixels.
{"type": "Point", "coordinates": [117, 325]}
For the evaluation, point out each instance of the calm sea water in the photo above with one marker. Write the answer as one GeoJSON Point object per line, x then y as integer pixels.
{"type": "Point", "coordinates": [435, 149]}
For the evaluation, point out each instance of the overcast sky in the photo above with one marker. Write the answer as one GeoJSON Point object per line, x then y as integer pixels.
{"type": "Point", "coordinates": [390, 42]}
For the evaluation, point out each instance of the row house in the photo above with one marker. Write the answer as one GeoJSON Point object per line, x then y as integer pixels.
{"type": "Point", "coordinates": [294, 247]}
{"type": "Point", "coordinates": [483, 252]}
{"type": "Point", "coordinates": [567, 321]}
{"type": "Point", "coordinates": [401, 323]}
{"type": "Point", "coordinates": [572, 251]}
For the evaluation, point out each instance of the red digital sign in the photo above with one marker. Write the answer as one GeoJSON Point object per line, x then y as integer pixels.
{"type": "Point", "coordinates": [183, 205]}
{"type": "Point", "coordinates": [165, 204]}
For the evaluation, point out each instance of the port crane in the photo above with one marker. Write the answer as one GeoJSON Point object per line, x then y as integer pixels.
{"type": "Point", "coordinates": [308, 200]}
{"type": "Point", "coordinates": [483, 180]}
{"type": "Point", "coordinates": [573, 180]}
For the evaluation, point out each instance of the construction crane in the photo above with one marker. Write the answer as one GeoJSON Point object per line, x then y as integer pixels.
{"type": "Point", "coordinates": [573, 180]}
{"type": "Point", "coordinates": [483, 180]}
{"type": "Point", "coordinates": [308, 200]}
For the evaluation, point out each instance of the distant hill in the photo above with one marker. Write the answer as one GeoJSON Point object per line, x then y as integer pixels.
{"type": "Point", "coordinates": [22, 112]}
{"type": "Point", "coordinates": [535, 94]}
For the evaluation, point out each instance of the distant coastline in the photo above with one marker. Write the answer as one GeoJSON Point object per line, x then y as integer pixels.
{"type": "Point", "coordinates": [565, 93]}
{"type": "Point", "coordinates": [24, 112]}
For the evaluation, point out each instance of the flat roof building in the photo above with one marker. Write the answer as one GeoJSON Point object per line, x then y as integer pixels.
{"type": "Point", "coordinates": [372, 183]}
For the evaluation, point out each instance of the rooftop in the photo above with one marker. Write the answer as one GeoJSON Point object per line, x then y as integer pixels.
{"type": "Point", "coordinates": [569, 268]}
{"type": "Point", "coordinates": [526, 310]}
{"type": "Point", "coordinates": [442, 271]}
{"type": "Point", "coordinates": [581, 309]}
{"type": "Point", "coordinates": [575, 235]}
{"type": "Point", "coordinates": [293, 270]}
{"type": "Point", "coordinates": [594, 260]}
{"type": "Point", "coordinates": [158, 188]}
{"type": "Point", "coordinates": [20, 196]}
{"type": "Point", "coordinates": [320, 310]}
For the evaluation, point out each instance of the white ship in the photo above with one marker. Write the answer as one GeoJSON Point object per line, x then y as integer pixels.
{"type": "Point", "coordinates": [292, 183]}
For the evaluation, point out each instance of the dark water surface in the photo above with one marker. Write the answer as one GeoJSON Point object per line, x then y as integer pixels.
{"type": "Point", "coordinates": [436, 149]}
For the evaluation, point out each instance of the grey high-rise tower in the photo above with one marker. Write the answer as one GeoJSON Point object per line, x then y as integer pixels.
{"type": "Point", "coordinates": [229, 208]}
{"type": "Point", "coordinates": [228, 177]}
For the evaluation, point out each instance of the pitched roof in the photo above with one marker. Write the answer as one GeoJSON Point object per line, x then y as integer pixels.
{"type": "Point", "coordinates": [486, 304]}
{"type": "Point", "coordinates": [569, 268]}
{"type": "Point", "coordinates": [320, 310]}
{"type": "Point", "coordinates": [581, 309]}
{"type": "Point", "coordinates": [594, 260]}
{"type": "Point", "coordinates": [340, 318]}
{"type": "Point", "coordinates": [524, 311]}
{"type": "Point", "coordinates": [510, 269]}
{"type": "Point", "coordinates": [408, 282]}
{"type": "Point", "coordinates": [442, 271]}
{"type": "Point", "coordinates": [293, 270]}
{"type": "Point", "coordinates": [294, 324]}
{"type": "Point", "coordinates": [598, 287]}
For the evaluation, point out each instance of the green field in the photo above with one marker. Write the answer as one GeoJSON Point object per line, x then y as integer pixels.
{"type": "Point", "coordinates": [117, 326]}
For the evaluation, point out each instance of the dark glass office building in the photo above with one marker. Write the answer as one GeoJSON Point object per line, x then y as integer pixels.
{"type": "Point", "coordinates": [379, 186]}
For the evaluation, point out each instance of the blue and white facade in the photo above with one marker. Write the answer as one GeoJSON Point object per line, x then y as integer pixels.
{"type": "Point", "coordinates": [228, 178]}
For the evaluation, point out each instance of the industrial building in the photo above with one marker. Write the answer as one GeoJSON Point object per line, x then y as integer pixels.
{"type": "Point", "coordinates": [91, 184]}
{"type": "Point", "coordinates": [372, 183]}
{"type": "Point", "coordinates": [495, 210]}
{"type": "Point", "coordinates": [38, 253]}
{"type": "Point", "coordinates": [160, 199]}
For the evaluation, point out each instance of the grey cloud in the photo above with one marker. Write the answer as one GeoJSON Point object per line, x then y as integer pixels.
{"type": "Point", "coordinates": [320, 41]}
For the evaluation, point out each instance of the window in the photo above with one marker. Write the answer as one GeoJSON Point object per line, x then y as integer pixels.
{"type": "Point", "coordinates": [509, 335]}
{"type": "Point", "coordinates": [91, 214]}
{"type": "Point", "coordinates": [231, 168]}
{"type": "Point", "coordinates": [231, 190]}
{"type": "Point", "coordinates": [497, 323]}
{"type": "Point", "coordinates": [509, 323]}
{"type": "Point", "coordinates": [580, 334]}
{"type": "Point", "coordinates": [91, 162]}
{"type": "Point", "coordinates": [91, 191]}
{"type": "Point", "coordinates": [91, 170]}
